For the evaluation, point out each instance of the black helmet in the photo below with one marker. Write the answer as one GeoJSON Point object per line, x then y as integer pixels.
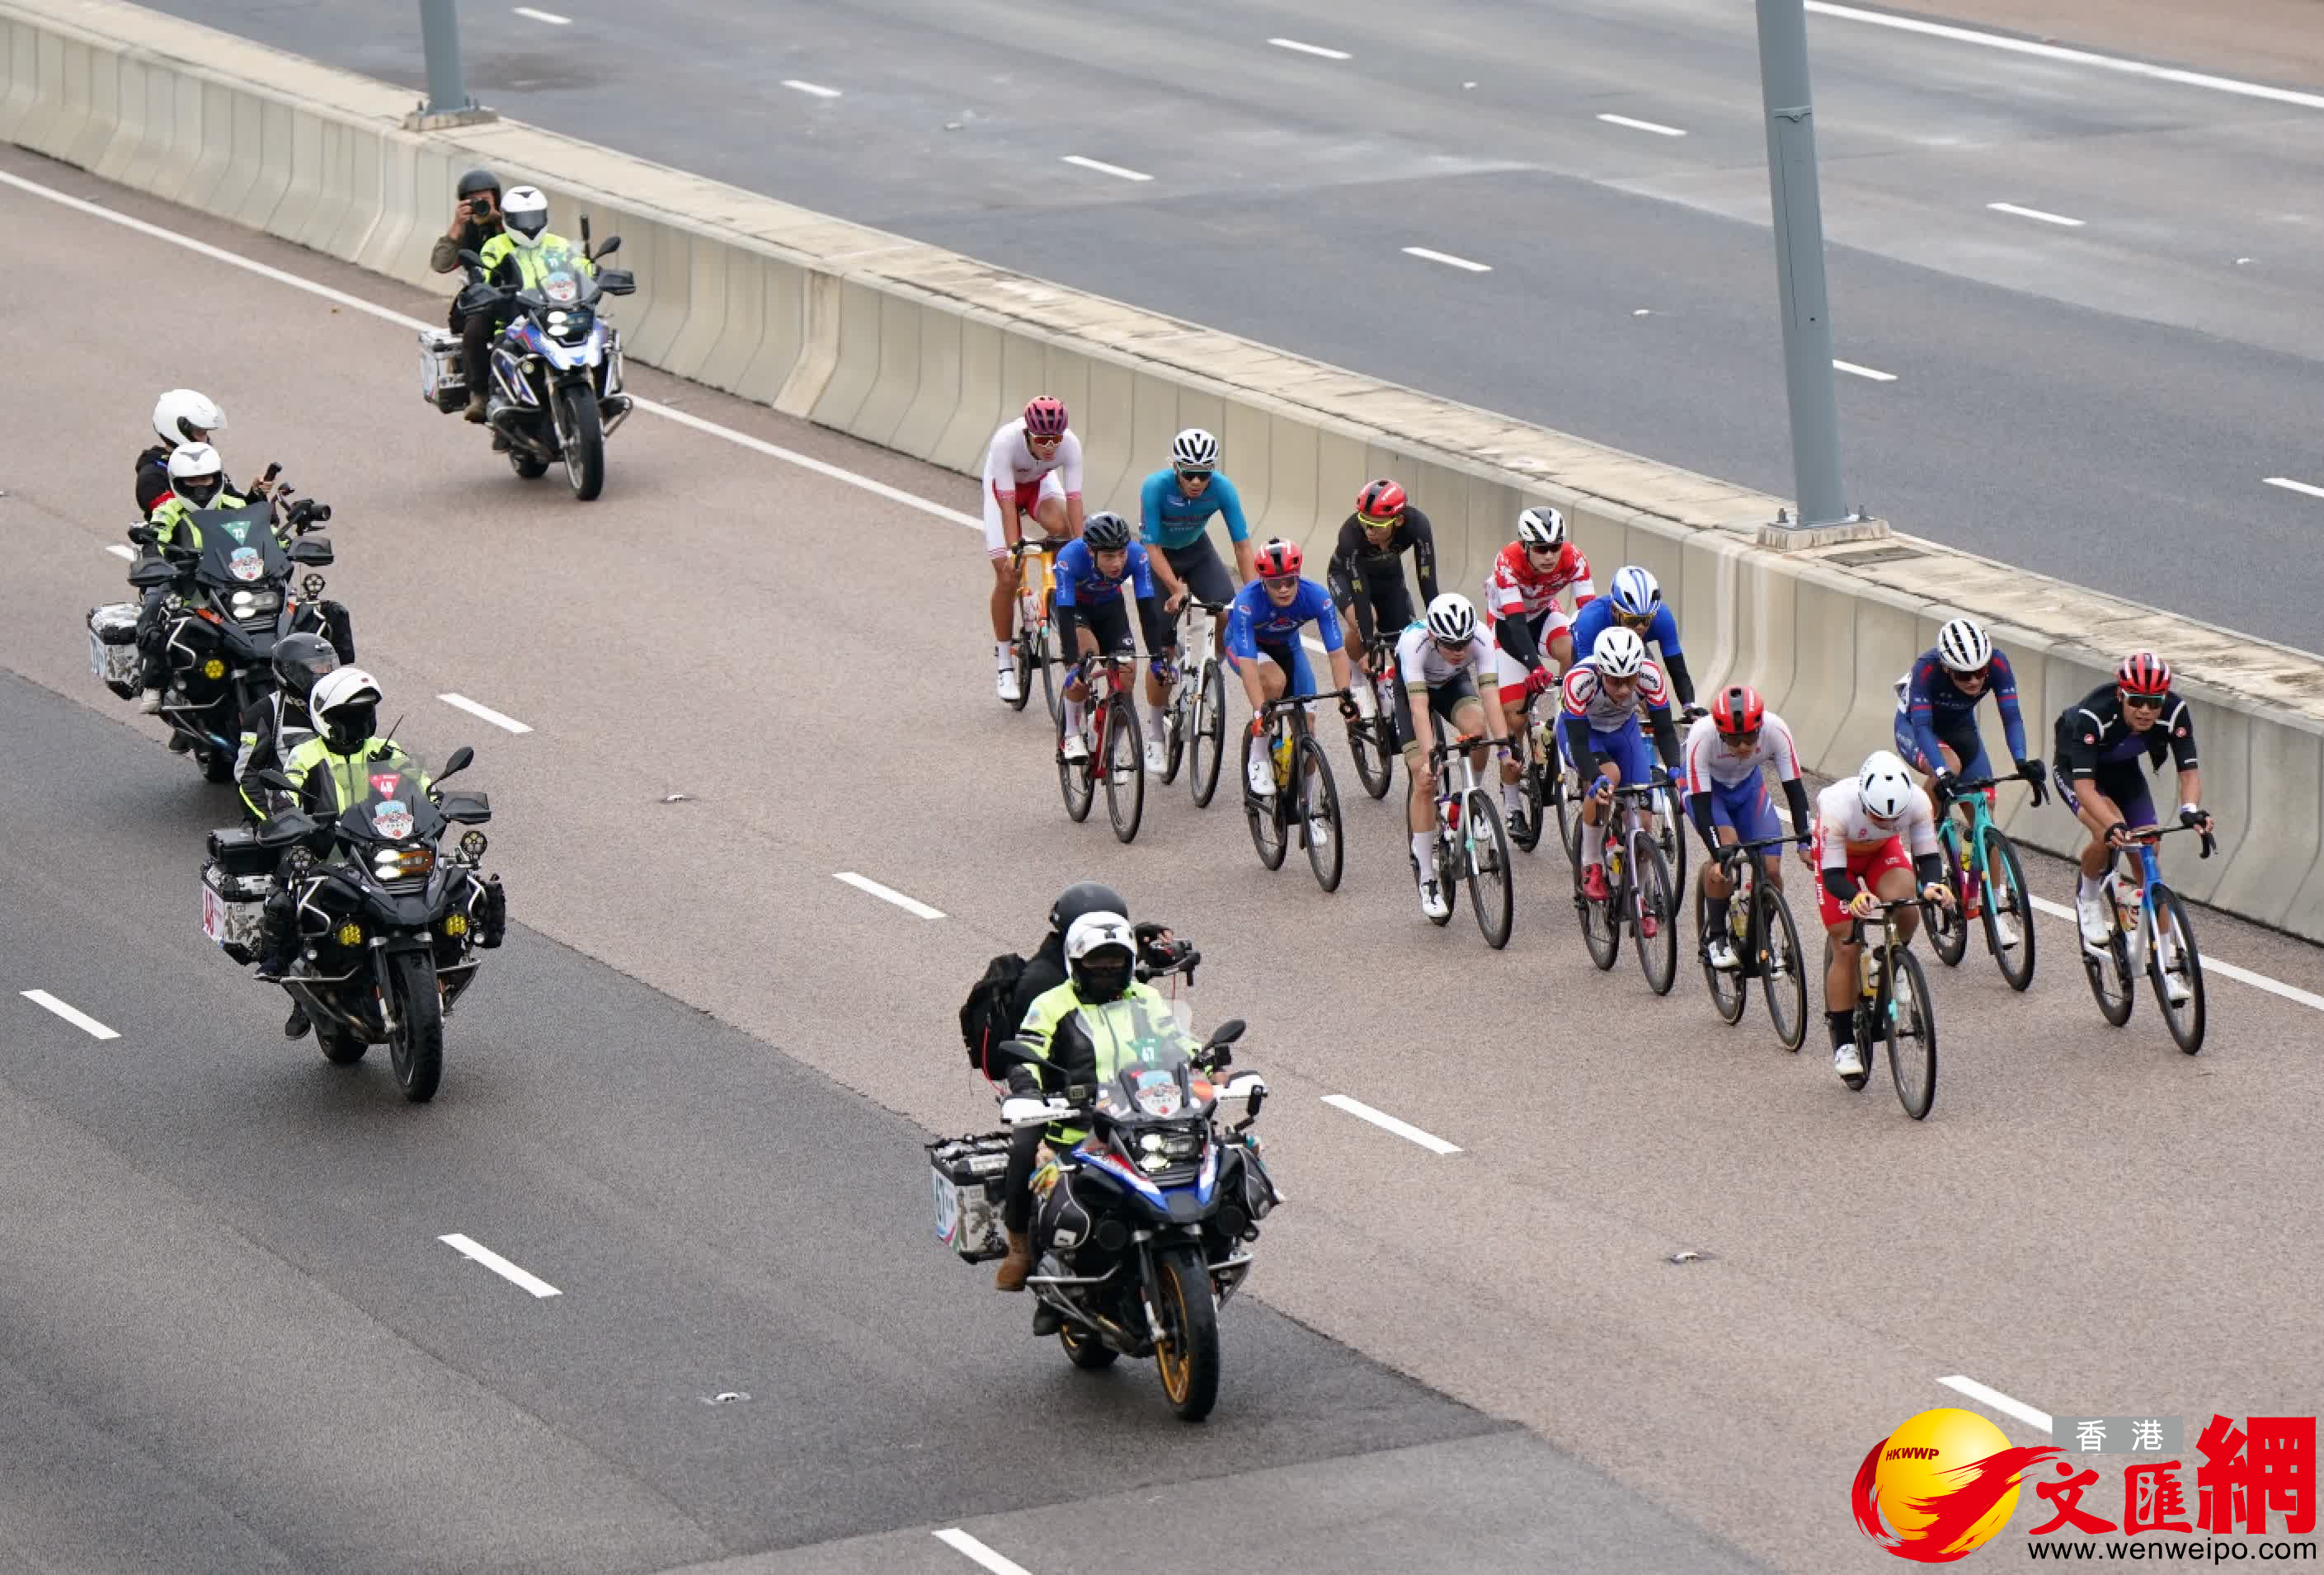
{"type": "Point", "coordinates": [1106, 532]}
{"type": "Point", "coordinates": [299, 660]}
{"type": "Point", "coordinates": [1083, 897]}
{"type": "Point", "coordinates": [477, 180]}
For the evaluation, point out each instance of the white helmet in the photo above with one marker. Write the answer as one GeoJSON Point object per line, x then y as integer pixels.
{"type": "Point", "coordinates": [1962, 646]}
{"type": "Point", "coordinates": [1619, 653]}
{"type": "Point", "coordinates": [197, 473]}
{"type": "Point", "coordinates": [182, 412]}
{"type": "Point", "coordinates": [1543, 528]}
{"type": "Point", "coordinates": [1451, 619]}
{"type": "Point", "coordinates": [1884, 786]}
{"type": "Point", "coordinates": [525, 210]}
{"type": "Point", "coordinates": [1098, 932]}
{"type": "Point", "coordinates": [1193, 450]}
{"type": "Point", "coordinates": [345, 706]}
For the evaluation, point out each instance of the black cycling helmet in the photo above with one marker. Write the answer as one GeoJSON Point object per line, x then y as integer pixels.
{"type": "Point", "coordinates": [1106, 532]}
{"type": "Point", "coordinates": [477, 180]}
{"type": "Point", "coordinates": [299, 660]}
{"type": "Point", "coordinates": [1085, 897]}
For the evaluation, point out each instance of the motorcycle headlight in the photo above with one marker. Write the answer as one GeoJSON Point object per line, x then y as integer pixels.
{"type": "Point", "coordinates": [474, 844]}
{"type": "Point", "coordinates": [251, 604]}
{"type": "Point", "coordinates": [401, 863]}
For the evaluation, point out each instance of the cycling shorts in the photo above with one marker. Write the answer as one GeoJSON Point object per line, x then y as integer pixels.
{"type": "Point", "coordinates": [1197, 563]}
{"type": "Point", "coordinates": [2125, 782]}
{"type": "Point", "coordinates": [1108, 624]}
{"type": "Point", "coordinates": [1511, 673]}
{"type": "Point", "coordinates": [1626, 746]}
{"type": "Point", "coordinates": [1966, 743]}
{"type": "Point", "coordinates": [1864, 868]}
{"type": "Point", "coordinates": [1291, 659]}
{"type": "Point", "coordinates": [1444, 701]}
{"type": "Point", "coordinates": [1031, 496]}
{"type": "Point", "coordinates": [1744, 806]}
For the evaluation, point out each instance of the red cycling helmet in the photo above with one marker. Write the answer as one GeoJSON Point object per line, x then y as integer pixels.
{"type": "Point", "coordinates": [1278, 559]}
{"type": "Point", "coordinates": [2143, 672]}
{"type": "Point", "coordinates": [1044, 417]}
{"type": "Point", "coordinates": [1737, 711]}
{"type": "Point", "coordinates": [1381, 503]}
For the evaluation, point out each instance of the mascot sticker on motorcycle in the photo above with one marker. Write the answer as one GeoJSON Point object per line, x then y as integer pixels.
{"type": "Point", "coordinates": [1940, 1487]}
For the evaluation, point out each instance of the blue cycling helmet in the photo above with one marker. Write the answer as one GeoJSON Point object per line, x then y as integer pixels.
{"type": "Point", "coordinates": [1635, 594]}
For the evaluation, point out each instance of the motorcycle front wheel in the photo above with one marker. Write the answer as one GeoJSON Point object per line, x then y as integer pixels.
{"type": "Point", "coordinates": [1188, 1353]}
{"type": "Point", "coordinates": [416, 1047]}
{"type": "Point", "coordinates": [581, 433]}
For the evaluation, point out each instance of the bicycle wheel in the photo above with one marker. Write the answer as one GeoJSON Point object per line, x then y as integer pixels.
{"type": "Point", "coordinates": [1049, 659]}
{"type": "Point", "coordinates": [1020, 651]}
{"type": "Point", "coordinates": [1174, 730]}
{"type": "Point", "coordinates": [1948, 930]}
{"type": "Point", "coordinates": [1125, 767]}
{"type": "Point", "coordinates": [1530, 793]}
{"type": "Point", "coordinates": [2172, 959]}
{"type": "Point", "coordinates": [1265, 814]}
{"type": "Point", "coordinates": [1601, 932]}
{"type": "Point", "coordinates": [1670, 839]}
{"type": "Point", "coordinates": [1729, 994]}
{"type": "Point", "coordinates": [1073, 778]}
{"type": "Point", "coordinates": [1912, 1036]}
{"type": "Point", "coordinates": [1373, 751]}
{"type": "Point", "coordinates": [1207, 744]}
{"type": "Point", "coordinates": [1492, 889]}
{"type": "Point", "coordinates": [2008, 910]}
{"type": "Point", "coordinates": [1568, 813]}
{"type": "Point", "coordinates": [1783, 969]}
{"type": "Point", "coordinates": [1654, 911]}
{"type": "Point", "coordinates": [2112, 982]}
{"type": "Point", "coordinates": [1320, 813]}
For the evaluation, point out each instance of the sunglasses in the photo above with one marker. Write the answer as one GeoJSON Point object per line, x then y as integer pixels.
{"type": "Point", "coordinates": [1194, 476]}
{"type": "Point", "coordinates": [1390, 523]}
{"type": "Point", "coordinates": [2144, 702]}
{"type": "Point", "coordinates": [1634, 620]}
{"type": "Point", "coordinates": [1033, 442]}
{"type": "Point", "coordinates": [1741, 741]}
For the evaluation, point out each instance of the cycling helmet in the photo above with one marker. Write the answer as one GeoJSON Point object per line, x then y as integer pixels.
{"type": "Point", "coordinates": [1619, 653]}
{"type": "Point", "coordinates": [477, 180]}
{"type": "Point", "coordinates": [1381, 503]}
{"type": "Point", "coordinates": [1737, 712]}
{"type": "Point", "coordinates": [1044, 417]}
{"type": "Point", "coordinates": [1542, 529]}
{"type": "Point", "coordinates": [197, 473]}
{"type": "Point", "coordinates": [300, 662]}
{"type": "Point", "coordinates": [1962, 646]}
{"type": "Point", "coordinates": [345, 708]}
{"type": "Point", "coordinates": [1452, 620]}
{"type": "Point", "coordinates": [1106, 531]}
{"type": "Point", "coordinates": [1085, 897]}
{"type": "Point", "coordinates": [185, 416]}
{"type": "Point", "coordinates": [525, 210]}
{"type": "Point", "coordinates": [1279, 560]}
{"type": "Point", "coordinates": [2143, 672]}
{"type": "Point", "coordinates": [1193, 450]}
{"type": "Point", "coordinates": [1884, 786]}
{"type": "Point", "coordinates": [1100, 952]}
{"type": "Point", "coordinates": [1635, 594]}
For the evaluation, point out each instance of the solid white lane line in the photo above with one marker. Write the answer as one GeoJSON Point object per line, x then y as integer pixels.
{"type": "Point", "coordinates": [1850, 367]}
{"type": "Point", "coordinates": [2285, 481]}
{"type": "Point", "coordinates": [2035, 212]}
{"type": "Point", "coordinates": [797, 85]}
{"type": "Point", "coordinates": [1308, 49]}
{"type": "Point", "coordinates": [500, 1266]}
{"type": "Point", "coordinates": [2211, 965]}
{"type": "Point", "coordinates": [486, 712]}
{"type": "Point", "coordinates": [960, 1541]}
{"type": "Point", "coordinates": [549, 17]}
{"type": "Point", "coordinates": [2023, 46]}
{"type": "Point", "coordinates": [1102, 168]}
{"type": "Point", "coordinates": [911, 904]}
{"type": "Point", "coordinates": [78, 1018]}
{"type": "Point", "coordinates": [1643, 125]}
{"type": "Point", "coordinates": [1448, 259]}
{"type": "Point", "coordinates": [1405, 1129]}
{"type": "Point", "coordinates": [117, 550]}
{"type": "Point", "coordinates": [1998, 1401]}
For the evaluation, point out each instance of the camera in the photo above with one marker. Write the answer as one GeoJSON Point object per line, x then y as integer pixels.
{"type": "Point", "coordinates": [480, 206]}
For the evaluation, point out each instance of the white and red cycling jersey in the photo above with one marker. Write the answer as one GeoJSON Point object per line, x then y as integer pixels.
{"type": "Point", "coordinates": [1709, 760]}
{"type": "Point", "coordinates": [1012, 470]}
{"type": "Point", "coordinates": [1586, 699]}
{"type": "Point", "coordinates": [1513, 585]}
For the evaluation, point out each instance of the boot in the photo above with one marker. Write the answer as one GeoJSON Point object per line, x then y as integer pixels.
{"type": "Point", "coordinates": [475, 410]}
{"type": "Point", "coordinates": [1011, 1275]}
{"type": "Point", "coordinates": [297, 1026]}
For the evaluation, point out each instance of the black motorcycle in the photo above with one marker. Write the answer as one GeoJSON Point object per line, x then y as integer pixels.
{"type": "Point", "coordinates": [390, 922]}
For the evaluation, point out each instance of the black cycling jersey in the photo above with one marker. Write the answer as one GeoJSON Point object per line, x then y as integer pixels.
{"type": "Point", "coordinates": [2092, 736]}
{"type": "Point", "coordinates": [1376, 571]}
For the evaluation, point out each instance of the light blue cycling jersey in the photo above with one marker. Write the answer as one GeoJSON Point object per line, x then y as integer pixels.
{"type": "Point", "coordinates": [1168, 518]}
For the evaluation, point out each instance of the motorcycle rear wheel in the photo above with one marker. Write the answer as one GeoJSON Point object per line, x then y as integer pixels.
{"type": "Point", "coordinates": [416, 1048]}
{"type": "Point", "coordinates": [1188, 1356]}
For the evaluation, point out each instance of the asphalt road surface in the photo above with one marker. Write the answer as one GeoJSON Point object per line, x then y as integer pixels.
{"type": "Point", "coordinates": [689, 1094]}
{"type": "Point", "coordinates": [2086, 379]}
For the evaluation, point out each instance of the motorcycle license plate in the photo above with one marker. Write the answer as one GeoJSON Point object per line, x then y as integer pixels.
{"type": "Point", "coordinates": [213, 915]}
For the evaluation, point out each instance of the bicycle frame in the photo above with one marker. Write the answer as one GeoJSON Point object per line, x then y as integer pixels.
{"type": "Point", "coordinates": [1750, 874]}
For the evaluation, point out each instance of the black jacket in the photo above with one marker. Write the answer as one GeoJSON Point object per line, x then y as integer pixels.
{"type": "Point", "coordinates": [2091, 733]}
{"type": "Point", "coordinates": [1045, 970]}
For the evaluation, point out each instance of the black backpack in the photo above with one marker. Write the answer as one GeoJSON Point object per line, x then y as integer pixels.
{"type": "Point", "coordinates": [985, 1017]}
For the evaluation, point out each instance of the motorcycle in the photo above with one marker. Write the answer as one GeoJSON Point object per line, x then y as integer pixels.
{"type": "Point", "coordinates": [1140, 1231]}
{"type": "Point", "coordinates": [229, 600]}
{"type": "Point", "coordinates": [389, 924]}
{"type": "Point", "coordinates": [555, 369]}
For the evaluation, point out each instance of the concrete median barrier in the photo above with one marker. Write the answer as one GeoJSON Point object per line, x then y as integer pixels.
{"type": "Point", "coordinates": [926, 351]}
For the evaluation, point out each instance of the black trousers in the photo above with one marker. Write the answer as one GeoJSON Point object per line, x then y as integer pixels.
{"type": "Point", "coordinates": [476, 353]}
{"type": "Point", "coordinates": [1016, 1182]}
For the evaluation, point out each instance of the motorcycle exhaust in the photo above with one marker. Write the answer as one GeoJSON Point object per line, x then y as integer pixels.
{"type": "Point", "coordinates": [507, 421]}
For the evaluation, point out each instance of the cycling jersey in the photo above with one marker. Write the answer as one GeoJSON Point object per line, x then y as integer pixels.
{"type": "Point", "coordinates": [1595, 617]}
{"type": "Point", "coordinates": [1726, 789]}
{"type": "Point", "coordinates": [1013, 473]}
{"type": "Point", "coordinates": [1851, 847]}
{"type": "Point", "coordinates": [2092, 735]}
{"type": "Point", "coordinates": [1089, 598]}
{"type": "Point", "coordinates": [1513, 586]}
{"type": "Point", "coordinates": [1931, 709]}
{"type": "Point", "coordinates": [1587, 699]}
{"type": "Point", "coordinates": [1255, 620]}
{"type": "Point", "coordinates": [1082, 584]}
{"type": "Point", "coordinates": [1168, 518]}
{"type": "Point", "coordinates": [1373, 578]}
{"type": "Point", "coordinates": [1422, 664]}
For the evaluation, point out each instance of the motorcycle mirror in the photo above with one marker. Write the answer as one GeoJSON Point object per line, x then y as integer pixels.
{"type": "Point", "coordinates": [461, 758]}
{"type": "Point", "coordinates": [151, 573]}
{"type": "Point", "coordinates": [1226, 1033]}
{"type": "Point", "coordinates": [613, 244]}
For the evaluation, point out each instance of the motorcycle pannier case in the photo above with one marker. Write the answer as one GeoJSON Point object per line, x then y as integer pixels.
{"type": "Point", "coordinates": [443, 383]}
{"type": "Point", "coordinates": [236, 884]}
{"type": "Point", "coordinates": [113, 647]}
{"type": "Point", "coordinates": [968, 1174]}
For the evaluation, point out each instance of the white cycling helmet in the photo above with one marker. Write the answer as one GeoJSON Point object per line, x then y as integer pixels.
{"type": "Point", "coordinates": [1193, 450]}
{"type": "Point", "coordinates": [525, 210]}
{"type": "Point", "coordinates": [1884, 786]}
{"type": "Point", "coordinates": [182, 412]}
{"type": "Point", "coordinates": [197, 473]}
{"type": "Point", "coordinates": [1619, 653]}
{"type": "Point", "coordinates": [1635, 593]}
{"type": "Point", "coordinates": [1451, 619]}
{"type": "Point", "coordinates": [1093, 934]}
{"type": "Point", "coordinates": [1962, 646]}
{"type": "Point", "coordinates": [345, 706]}
{"type": "Point", "coordinates": [1542, 529]}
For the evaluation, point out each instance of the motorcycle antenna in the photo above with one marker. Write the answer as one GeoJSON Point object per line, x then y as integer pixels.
{"type": "Point", "coordinates": [585, 232]}
{"type": "Point", "coordinates": [391, 731]}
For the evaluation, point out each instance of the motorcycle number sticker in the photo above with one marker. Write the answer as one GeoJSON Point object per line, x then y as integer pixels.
{"type": "Point", "coordinates": [393, 820]}
{"type": "Point", "coordinates": [947, 1210]}
{"type": "Point", "coordinates": [244, 563]}
{"type": "Point", "coordinates": [213, 913]}
{"type": "Point", "coordinates": [384, 783]}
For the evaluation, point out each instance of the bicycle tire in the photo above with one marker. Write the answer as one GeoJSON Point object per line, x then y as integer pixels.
{"type": "Point", "coordinates": [1669, 836]}
{"type": "Point", "coordinates": [1175, 726]}
{"type": "Point", "coordinates": [1020, 657]}
{"type": "Point", "coordinates": [1569, 814]}
{"type": "Point", "coordinates": [1053, 690]}
{"type": "Point", "coordinates": [1075, 778]}
{"type": "Point", "coordinates": [1948, 930]}
{"type": "Point", "coordinates": [1915, 1073]}
{"type": "Point", "coordinates": [2109, 968]}
{"type": "Point", "coordinates": [1530, 793]}
{"type": "Point", "coordinates": [1490, 873]}
{"type": "Point", "coordinates": [1782, 967]}
{"type": "Point", "coordinates": [1651, 891]}
{"type": "Point", "coordinates": [1729, 1012]}
{"type": "Point", "coordinates": [1320, 800]}
{"type": "Point", "coordinates": [2005, 882]}
{"type": "Point", "coordinates": [1211, 730]}
{"type": "Point", "coordinates": [1125, 768]}
{"type": "Point", "coordinates": [2187, 1021]}
{"type": "Point", "coordinates": [1265, 814]}
{"type": "Point", "coordinates": [1601, 933]}
{"type": "Point", "coordinates": [1371, 745]}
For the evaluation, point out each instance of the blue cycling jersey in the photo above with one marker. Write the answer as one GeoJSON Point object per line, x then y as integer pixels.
{"type": "Point", "coordinates": [1596, 616]}
{"type": "Point", "coordinates": [1081, 584]}
{"type": "Point", "coordinates": [1169, 517]}
{"type": "Point", "coordinates": [1255, 620]}
{"type": "Point", "coordinates": [1935, 707]}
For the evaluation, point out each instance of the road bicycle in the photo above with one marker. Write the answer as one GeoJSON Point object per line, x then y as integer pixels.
{"type": "Point", "coordinates": [1371, 739]}
{"type": "Point", "coordinates": [1988, 881]}
{"type": "Point", "coordinates": [1564, 792]}
{"type": "Point", "coordinates": [1638, 892]}
{"type": "Point", "coordinates": [1541, 779]}
{"type": "Point", "coordinates": [1035, 643]}
{"type": "Point", "coordinates": [1893, 1008]}
{"type": "Point", "coordinates": [1471, 845]}
{"type": "Point", "coordinates": [1765, 941]}
{"type": "Point", "coordinates": [1113, 746]}
{"type": "Point", "coordinates": [1195, 720]}
{"type": "Point", "coordinates": [2153, 933]}
{"type": "Point", "coordinates": [1304, 796]}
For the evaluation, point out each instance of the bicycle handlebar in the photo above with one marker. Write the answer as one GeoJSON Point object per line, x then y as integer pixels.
{"type": "Point", "coordinates": [1025, 544]}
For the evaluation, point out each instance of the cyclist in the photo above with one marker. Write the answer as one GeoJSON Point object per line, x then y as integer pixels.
{"type": "Point", "coordinates": [1727, 796]}
{"type": "Point", "coordinates": [2100, 778]}
{"type": "Point", "coordinates": [1634, 602]}
{"type": "Point", "coordinates": [1444, 659]}
{"type": "Point", "coordinates": [1175, 508]}
{"type": "Point", "coordinates": [1263, 646]}
{"type": "Point", "coordinates": [1936, 712]}
{"type": "Point", "coordinates": [1366, 578]}
{"type": "Point", "coordinates": [1597, 730]}
{"type": "Point", "coordinates": [1092, 620]}
{"type": "Point", "coordinates": [1032, 471]}
{"type": "Point", "coordinates": [1863, 827]}
{"type": "Point", "coordinates": [1530, 630]}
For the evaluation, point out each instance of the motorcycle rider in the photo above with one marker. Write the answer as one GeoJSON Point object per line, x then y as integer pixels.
{"type": "Point", "coordinates": [514, 258]}
{"type": "Point", "coordinates": [301, 661]}
{"type": "Point", "coordinates": [181, 416]}
{"type": "Point", "coordinates": [476, 220]}
{"type": "Point", "coordinates": [197, 481]}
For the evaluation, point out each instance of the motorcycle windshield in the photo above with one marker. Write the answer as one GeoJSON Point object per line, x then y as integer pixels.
{"type": "Point", "coordinates": [239, 551]}
{"type": "Point", "coordinates": [394, 809]}
{"type": "Point", "coordinates": [1145, 1063]}
{"type": "Point", "coordinates": [565, 282]}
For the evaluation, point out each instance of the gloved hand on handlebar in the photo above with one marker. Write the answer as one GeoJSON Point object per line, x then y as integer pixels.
{"type": "Point", "coordinates": [1539, 682]}
{"type": "Point", "coordinates": [2037, 777]}
{"type": "Point", "coordinates": [1948, 783]}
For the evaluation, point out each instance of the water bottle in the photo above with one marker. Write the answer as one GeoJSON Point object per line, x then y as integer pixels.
{"type": "Point", "coordinates": [1868, 966]}
{"type": "Point", "coordinates": [1452, 814]}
